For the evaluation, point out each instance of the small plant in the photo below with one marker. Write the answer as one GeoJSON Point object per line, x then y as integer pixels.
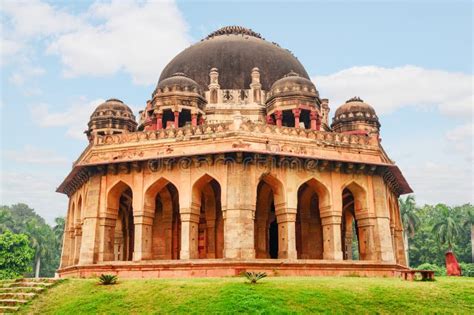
{"type": "Point", "coordinates": [108, 279]}
{"type": "Point", "coordinates": [253, 277]}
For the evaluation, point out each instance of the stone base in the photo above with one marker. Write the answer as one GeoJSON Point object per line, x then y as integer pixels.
{"type": "Point", "coordinates": [226, 268]}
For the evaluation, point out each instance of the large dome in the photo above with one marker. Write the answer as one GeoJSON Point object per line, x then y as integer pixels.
{"type": "Point", "coordinates": [234, 51]}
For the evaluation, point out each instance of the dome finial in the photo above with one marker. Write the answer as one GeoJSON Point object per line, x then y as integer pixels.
{"type": "Point", "coordinates": [234, 30]}
{"type": "Point", "coordinates": [355, 99]}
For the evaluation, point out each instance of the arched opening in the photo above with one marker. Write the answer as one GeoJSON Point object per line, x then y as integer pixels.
{"type": "Point", "coordinates": [349, 228]}
{"type": "Point", "coordinates": [168, 118]}
{"type": "Point", "coordinates": [309, 231]}
{"type": "Point", "coordinates": [71, 235]}
{"type": "Point", "coordinates": [166, 230]}
{"type": "Point", "coordinates": [266, 224]}
{"type": "Point", "coordinates": [288, 119]}
{"type": "Point", "coordinates": [184, 117]}
{"type": "Point", "coordinates": [207, 194]}
{"type": "Point", "coordinates": [124, 228]}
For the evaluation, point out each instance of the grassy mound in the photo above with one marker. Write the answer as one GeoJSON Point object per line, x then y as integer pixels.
{"type": "Point", "coordinates": [271, 295]}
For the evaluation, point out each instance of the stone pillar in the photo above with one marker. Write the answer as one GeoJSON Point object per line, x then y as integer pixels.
{"type": "Point", "coordinates": [143, 221]}
{"type": "Point", "coordinates": [77, 243]}
{"type": "Point", "coordinates": [400, 246]}
{"type": "Point", "coordinates": [189, 233]}
{"type": "Point", "coordinates": [211, 238]}
{"type": "Point", "coordinates": [331, 223]}
{"type": "Point", "coordinates": [194, 120]}
{"type": "Point", "coordinates": [107, 236]}
{"type": "Point", "coordinates": [278, 117]}
{"type": "Point", "coordinates": [176, 119]}
{"type": "Point", "coordinates": [313, 117]}
{"type": "Point", "coordinates": [297, 113]}
{"type": "Point", "coordinates": [270, 120]}
{"type": "Point", "coordinates": [72, 244]}
{"type": "Point", "coordinates": [159, 121]}
{"type": "Point", "coordinates": [239, 212]}
{"type": "Point", "coordinates": [286, 219]}
{"type": "Point", "coordinates": [367, 238]}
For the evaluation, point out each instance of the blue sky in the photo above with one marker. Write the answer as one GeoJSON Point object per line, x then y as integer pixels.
{"type": "Point", "coordinates": [412, 61]}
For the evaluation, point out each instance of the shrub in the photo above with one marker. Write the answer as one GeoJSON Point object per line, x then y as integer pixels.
{"type": "Point", "coordinates": [467, 269]}
{"type": "Point", "coordinates": [253, 277]}
{"type": "Point", "coordinates": [108, 279]}
{"type": "Point", "coordinates": [439, 271]}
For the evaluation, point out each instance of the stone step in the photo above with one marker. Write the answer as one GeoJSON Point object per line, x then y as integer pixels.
{"type": "Point", "coordinates": [8, 309]}
{"type": "Point", "coordinates": [22, 289]}
{"type": "Point", "coordinates": [16, 295]}
{"type": "Point", "coordinates": [12, 302]}
{"type": "Point", "coordinates": [25, 284]}
{"type": "Point", "coordinates": [41, 280]}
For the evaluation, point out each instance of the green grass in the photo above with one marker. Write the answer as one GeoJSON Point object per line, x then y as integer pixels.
{"type": "Point", "coordinates": [274, 295]}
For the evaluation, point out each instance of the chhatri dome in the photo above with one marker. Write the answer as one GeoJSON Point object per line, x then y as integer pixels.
{"type": "Point", "coordinates": [233, 165]}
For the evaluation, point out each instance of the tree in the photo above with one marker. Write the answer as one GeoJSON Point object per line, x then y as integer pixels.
{"type": "Point", "coordinates": [15, 255]}
{"type": "Point", "coordinates": [469, 223]}
{"type": "Point", "coordinates": [40, 241]}
{"type": "Point", "coordinates": [58, 229]}
{"type": "Point", "coordinates": [410, 221]}
{"type": "Point", "coordinates": [6, 220]}
{"type": "Point", "coordinates": [447, 227]}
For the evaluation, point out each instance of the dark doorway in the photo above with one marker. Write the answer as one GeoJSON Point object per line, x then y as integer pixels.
{"type": "Point", "coordinates": [273, 239]}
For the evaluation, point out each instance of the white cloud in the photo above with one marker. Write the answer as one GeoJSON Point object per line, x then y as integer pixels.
{"type": "Point", "coordinates": [138, 38]}
{"type": "Point", "coordinates": [36, 190]}
{"type": "Point", "coordinates": [23, 73]}
{"type": "Point", "coordinates": [34, 18]}
{"type": "Point", "coordinates": [74, 118]}
{"type": "Point", "coordinates": [33, 155]}
{"type": "Point", "coordinates": [388, 89]}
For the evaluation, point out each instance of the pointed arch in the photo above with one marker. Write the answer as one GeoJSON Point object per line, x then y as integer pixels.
{"type": "Point", "coordinates": [270, 195]}
{"type": "Point", "coordinates": [161, 201]}
{"type": "Point", "coordinates": [120, 213]}
{"type": "Point", "coordinates": [206, 198]}
{"type": "Point", "coordinates": [360, 196]}
{"type": "Point", "coordinates": [313, 197]}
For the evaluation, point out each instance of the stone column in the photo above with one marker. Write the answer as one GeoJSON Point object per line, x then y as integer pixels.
{"type": "Point", "coordinates": [400, 246]}
{"type": "Point", "coordinates": [270, 120]}
{"type": "Point", "coordinates": [159, 121]}
{"type": "Point", "coordinates": [176, 119]}
{"type": "Point", "coordinates": [331, 223]}
{"type": "Point", "coordinates": [278, 117]}
{"type": "Point", "coordinates": [297, 113]}
{"type": "Point", "coordinates": [72, 244]}
{"type": "Point", "coordinates": [367, 238]}
{"type": "Point", "coordinates": [313, 117]}
{"type": "Point", "coordinates": [77, 243]}
{"type": "Point", "coordinates": [211, 238]}
{"type": "Point", "coordinates": [189, 233]}
{"type": "Point", "coordinates": [286, 219]}
{"type": "Point", "coordinates": [143, 221]}
{"type": "Point", "coordinates": [239, 212]}
{"type": "Point", "coordinates": [107, 236]}
{"type": "Point", "coordinates": [194, 120]}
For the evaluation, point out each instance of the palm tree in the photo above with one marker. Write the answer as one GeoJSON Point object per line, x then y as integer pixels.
{"type": "Point", "coordinates": [39, 242]}
{"type": "Point", "coordinates": [58, 229]}
{"type": "Point", "coordinates": [446, 226]}
{"type": "Point", "coordinates": [410, 221]}
{"type": "Point", "coordinates": [6, 220]}
{"type": "Point", "coordinates": [470, 223]}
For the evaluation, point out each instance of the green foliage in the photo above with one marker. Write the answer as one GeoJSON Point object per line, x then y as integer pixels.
{"type": "Point", "coordinates": [467, 269]}
{"type": "Point", "coordinates": [253, 277]}
{"type": "Point", "coordinates": [447, 226]}
{"type": "Point", "coordinates": [410, 219]}
{"type": "Point", "coordinates": [45, 240]}
{"type": "Point", "coordinates": [108, 279]}
{"type": "Point", "coordinates": [16, 255]}
{"type": "Point", "coordinates": [425, 245]}
{"type": "Point", "coordinates": [439, 271]}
